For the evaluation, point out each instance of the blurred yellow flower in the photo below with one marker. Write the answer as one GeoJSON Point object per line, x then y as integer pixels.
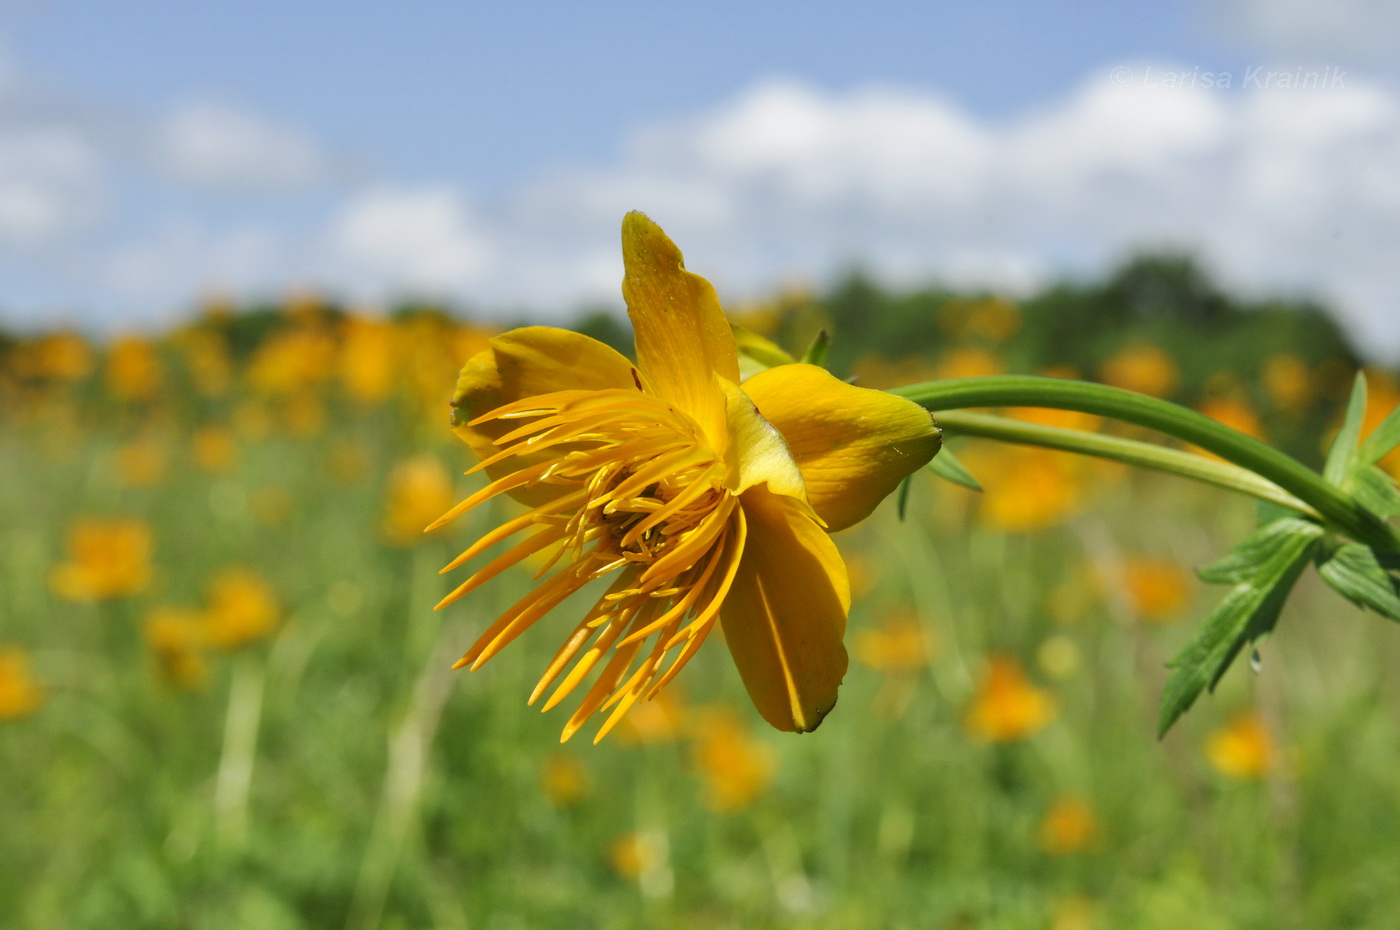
{"type": "Point", "coordinates": [106, 559]}
{"type": "Point", "coordinates": [62, 356]}
{"type": "Point", "coordinates": [659, 720]}
{"type": "Point", "coordinates": [215, 450]}
{"type": "Point", "coordinates": [133, 369]}
{"type": "Point", "coordinates": [666, 476]}
{"type": "Point", "coordinates": [1235, 412]}
{"type": "Point", "coordinates": [1059, 657]}
{"type": "Point", "coordinates": [368, 355]}
{"type": "Point", "coordinates": [1141, 367]}
{"type": "Point", "coordinates": [292, 360]}
{"type": "Point", "coordinates": [1007, 707]}
{"type": "Point", "coordinates": [564, 779]}
{"type": "Point", "coordinates": [242, 608]}
{"type": "Point", "coordinates": [1383, 396]}
{"type": "Point", "coordinates": [207, 361]}
{"type": "Point", "coordinates": [969, 362]}
{"type": "Point", "coordinates": [1242, 749]}
{"type": "Point", "coordinates": [1158, 589]}
{"type": "Point", "coordinates": [1289, 383]}
{"type": "Point", "coordinates": [176, 638]}
{"type": "Point", "coordinates": [304, 413]}
{"type": "Point", "coordinates": [420, 490]}
{"type": "Point", "coordinates": [636, 856]}
{"type": "Point", "coordinates": [900, 644]}
{"type": "Point", "coordinates": [141, 463]}
{"type": "Point", "coordinates": [1075, 912]}
{"type": "Point", "coordinates": [736, 768]}
{"type": "Point", "coordinates": [875, 371]}
{"type": "Point", "coordinates": [1026, 488]}
{"type": "Point", "coordinates": [992, 318]}
{"type": "Point", "coordinates": [1069, 826]}
{"type": "Point", "coordinates": [20, 692]}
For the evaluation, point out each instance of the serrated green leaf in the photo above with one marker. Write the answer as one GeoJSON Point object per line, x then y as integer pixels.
{"type": "Point", "coordinates": [816, 352]}
{"type": "Point", "coordinates": [1375, 490]}
{"type": "Point", "coordinates": [946, 466]}
{"type": "Point", "coordinates": [1248, 613]}
{"type": "Point", "coordinates": [1343, 451]}
{"type": "Point", "coordinates": [1355, 572]}
{"type": "Point", "coordinates": [902, 501]}
{"type": "Point", "coordinates": [1245, 560]}
{"type": "Point", "coordinates": [1382, 441]}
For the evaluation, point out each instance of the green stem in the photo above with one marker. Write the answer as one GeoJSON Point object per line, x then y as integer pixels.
{"type": "Point", "coordinates": [1292, 476]}
{"type": "Point", "coordinates": [1128, 451]}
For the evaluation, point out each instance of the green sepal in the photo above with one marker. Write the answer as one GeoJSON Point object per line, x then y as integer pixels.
{"type": "Point", "coordinates": [757, 353]}
{"type": "Point", "coordinates": [1247, 559]}
{"type": "Point", "coordinates": [1375, 490]}
{"type": "Point", "coordinates": [1357, 573]}
{"type": "Point", "coordinates": [816, 352]}
{"type": "Point", "coordinates": [946, 466]}
{"type": "Point", "coordinates": [1342, 453]}
{"type": "Point", "coordinates": [902, 500]}
{"type": "Point", "coordinates": [1382, 441]}
{"type": "Point", "coordinates": [1249, 611]}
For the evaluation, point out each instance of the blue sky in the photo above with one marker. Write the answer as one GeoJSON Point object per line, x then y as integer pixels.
{"type": "Point", "coordinates": [156, 151]}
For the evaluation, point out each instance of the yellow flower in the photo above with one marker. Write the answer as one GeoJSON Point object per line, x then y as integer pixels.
{"type": "Point", "coordinates": [176, 639]}
{"type": "Point", "coordinates": [420, 489]}
{"type": "Point", "coordinates": [1008, 707]}
{"type": "Point", "coordinates": [638, 856]}
{"type": "Point", "coordinates": [368, 356]}
{"type": "Point", "coordinates": [62, 356]}
{"type": "Point", "coordinates": [242, 607]}
{"type": "Point", "coordinates": [1141, 367]}
{"type": "Point", "coordinates": [698, 499]}
{"type": "Point", "coordinates": [1242, 749]}
{"type": "Point", "coordinates": [133, 369]}
{"type": "Point", "coordinates": [20, 693]}
{"type": "Point", "coordinates": [564, 780]}
{"type": "Point", "coordinates": [1026, 489]}
{"type": "Point", "coordinates": [736, 768]}
{"type": "Point", "coordinates": [1069, 826]}
{"type": "Point", "coordinates": [107, 559]}
{"type": "Point", "coordinates": [215, 450]}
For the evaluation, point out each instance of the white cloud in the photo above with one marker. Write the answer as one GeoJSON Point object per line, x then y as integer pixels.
{"type": "Point", "coordinates": [220, 147]}
{"type": "Point", "coordinates": [1353, 31]}
{"type": "Point", "coordinates": [420, 240]}
{"type": "Point", "coordinates": [51, 184]}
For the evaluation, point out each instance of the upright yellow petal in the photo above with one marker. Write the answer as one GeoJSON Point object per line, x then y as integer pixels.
{"type": "Point", "coordinates": [683, 339]}
{"type": "Point", "coordinates": [786, 613]}
{"type": "Point", "coordinates": [523, 363]}
{"type": "Point", "coordinates": [854, 445]}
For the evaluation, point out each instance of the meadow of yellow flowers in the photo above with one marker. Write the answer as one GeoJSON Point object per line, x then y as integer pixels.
{"type": "Point", "coordinates": [226, 700]}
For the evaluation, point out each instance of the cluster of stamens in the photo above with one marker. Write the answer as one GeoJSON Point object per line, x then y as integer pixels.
{"type": "Point", "coordinates": [636, 493]}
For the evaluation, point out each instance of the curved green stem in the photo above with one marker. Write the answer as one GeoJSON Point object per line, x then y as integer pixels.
{"type": "Point", "coordinates": [1127, 451]}
{"type": "Point", "coordinates": [1308, 486]}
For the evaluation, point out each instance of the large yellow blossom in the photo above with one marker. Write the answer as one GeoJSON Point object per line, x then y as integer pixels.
{"type": "Point", "coordinates": [699, 499]}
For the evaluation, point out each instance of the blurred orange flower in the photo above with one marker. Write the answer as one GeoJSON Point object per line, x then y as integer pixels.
{"type": "Point", "coordinates": [1159, 589]}
{"type": "Point", "coordinates": [637, 856]}
{"type": "Point", "coordinates": [62, 356]}
{"type": "Point", "coordinates": [420, 491]}
{"type": "Point", "coordinates": [176, 639]}
{"type": "Point", "coordinates": [1141, 367]}
{"type": "Point", "coordinates": [106, 559]}
{"type": "Point", "coordinates": [20, 692]}
{"type": "Point", "coordinates": [659, 720]}
{"type": "Point", "coordinates": [900, 644]}
{"type": "Point", "coordinates": [133, 369]}
{"type": "Point", "coordinates": [1242, 749]}
{"type": "Point", "coordinates": [1007, 707]}
{"type": "Point", "coordinates": [735, 767]}
{"type": "Point", "coordinates": [242, 608]}
{"type": "Point", "coordinates": [1069, 826]}
{"type": "Point", "coordinates": [141, 463]}
{"type": "Point", "coordinates": [969, 362]}
{"type": "Point", "coordinates": [1234, 412]}
{"type": "Point", "coordinates": [215, 450]}
{"type": "Point", "coordinates": [1289, 383]}
{"type": "Point", "coordinates": [368, 354]}
{"type": "Point", "coordinates": [1025, 488]}
{"type": "Point", "coordinates": [564, 779]}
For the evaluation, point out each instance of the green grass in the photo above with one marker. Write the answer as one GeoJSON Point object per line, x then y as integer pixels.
{"type": "Point", "coordinates": [340, 775]}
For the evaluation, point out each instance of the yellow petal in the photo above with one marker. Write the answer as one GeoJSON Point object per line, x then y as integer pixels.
{"type": "Point", "coordinates": [683, 339]}
{"type": "Point", "coordinates": [523, 363]}
{"type": "Point", "coordinates": [786, 613]}
{"type": "Point", "coordinates": [854, 445]}
{"type": "Point", "coordinates": [757, 453]}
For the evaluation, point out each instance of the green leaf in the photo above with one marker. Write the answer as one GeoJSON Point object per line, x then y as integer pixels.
{"type": "Point", "coordinates": [757, 353]}
{"type": "Point", "coordinates": [817, 351]}
{"type": "Point", "coordinates": [1376, 491]}
{"type": "Point", "coordinates": [902, 501]}
{"type": "Point", "coordinates": [1248, 613]}
{"type": "Point", "coordinates": [1250, 557]}
{"type": "Point", "coordinates": [946, 466]}
{"type": "Point", "coordinates": [1382, 441]}
{"type": "Point", "coordinates": [1355, 572]}
{"type": "Point", "coordinates": [1343, 452]}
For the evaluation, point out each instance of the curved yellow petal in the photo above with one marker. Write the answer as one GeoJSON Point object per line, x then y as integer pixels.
{"type": "Point", "coordinates": [757, 453]}
{"type": "Point", "coordinates": [524, 363]}
{"type": "Point", "coordinates": [683, 339]}
{"type": "Point", "coordinates": [854, 445]}
{"type": "Point", "coordinates": [785, 614]}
